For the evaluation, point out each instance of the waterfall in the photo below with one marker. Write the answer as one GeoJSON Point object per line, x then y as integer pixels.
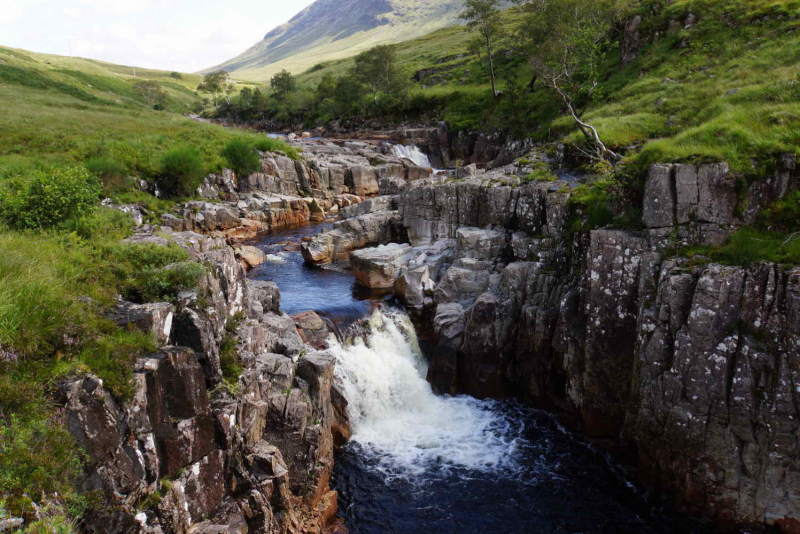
{"type": "Point", "coordinates": [396, 417]}
{"type": "Point", "coordinates": [413, 153]}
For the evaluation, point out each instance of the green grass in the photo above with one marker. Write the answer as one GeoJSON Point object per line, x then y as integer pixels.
{"type": "Point", "coordinates": [749, 246]}
{"type": "Point", "coordinates": [775, 237]}
{"type": "Point", "coordinates": [727, 89]}
{"type": "Point", "coordinates": [57, 284]}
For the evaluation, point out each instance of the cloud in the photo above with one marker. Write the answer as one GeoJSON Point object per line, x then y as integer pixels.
{"type": "Point", "coordinates": [185, 35]}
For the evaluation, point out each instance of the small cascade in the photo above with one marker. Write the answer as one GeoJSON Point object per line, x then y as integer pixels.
{"type": "Point", "coordinates": [398, 419]}
{"type": "Point", "coordinates": [413, 153]}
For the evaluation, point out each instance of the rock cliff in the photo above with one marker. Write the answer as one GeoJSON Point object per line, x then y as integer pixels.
{"type": "Point", "coordinates": [693, 366]}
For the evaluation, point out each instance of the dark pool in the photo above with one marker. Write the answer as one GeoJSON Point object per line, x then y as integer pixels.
{"type": "Point", "coordinates": [563, 485]}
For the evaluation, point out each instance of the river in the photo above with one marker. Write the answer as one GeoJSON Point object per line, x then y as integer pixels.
{"type": "Point", "coordinates": [422, 463]}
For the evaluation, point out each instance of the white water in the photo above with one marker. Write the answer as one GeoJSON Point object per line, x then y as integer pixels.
{"type": "Point", "coordinates": [397, 418]}
{"type": "Point", "coordinates": [413, 153]}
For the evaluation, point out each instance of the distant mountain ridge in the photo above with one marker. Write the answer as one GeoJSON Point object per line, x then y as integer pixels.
{"type": "Point", "coordinates": [334, 29]}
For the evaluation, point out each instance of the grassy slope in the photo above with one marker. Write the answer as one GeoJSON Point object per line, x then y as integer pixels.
{"type": "Point", "coordinates": [411, 19]}
{"type": "Point", "coordinates": [51, 117]}
{"type": "Point", "coordinates": [726, 89]}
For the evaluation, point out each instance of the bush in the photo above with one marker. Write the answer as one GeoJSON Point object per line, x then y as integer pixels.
{"type": "Point", "coordinates": [242, 158]}
{"type": "Point", "coordinates": [268, 144]}
{"type": "Point", "coordinates": [49, 198]}
{"type": "Point", "coordinates": [106, 222]}
{"type": "Point", "coordinates": [182, 172]}
{"type": "Point", "coordinates": [113, 174]}
{"type": "Point", "coordinates": [151, 273]}
{"type": "Point", "coordinates": [164, 284]}
{"type": "Point", "coordinates": [37, 458]}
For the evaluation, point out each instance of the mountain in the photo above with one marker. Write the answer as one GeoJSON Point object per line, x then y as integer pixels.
{"type": "Point", "coordinates": [335, 29]}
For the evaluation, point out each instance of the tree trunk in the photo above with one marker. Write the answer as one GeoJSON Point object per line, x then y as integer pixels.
{"type": "Point", "coordinates": [491, 65]}
{"type": "Point", "coordinates": [588, 130]}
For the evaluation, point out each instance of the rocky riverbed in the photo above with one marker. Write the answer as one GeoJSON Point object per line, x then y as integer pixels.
{"type": "Point", "coordinates": [689, 367]}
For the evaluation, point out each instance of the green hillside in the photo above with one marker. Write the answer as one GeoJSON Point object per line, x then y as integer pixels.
{"type": "Point", "coordinates": [724, 87]}
{"type": "Point", "coordinates": [336, 29]}
{"type": "Point", "coordinates": [64, 111]}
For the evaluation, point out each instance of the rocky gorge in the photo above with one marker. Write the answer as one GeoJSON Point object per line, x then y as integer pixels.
{"type": "Point", "coordinates": [688, 367]}
{"type": "Point", "coordinates": [691, 367]}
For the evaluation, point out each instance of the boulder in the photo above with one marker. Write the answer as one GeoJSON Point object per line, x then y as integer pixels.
{"type": "Point", "coordinates": [313, 329]}
{"type": "Point", "coordinates": [371, 205]}
{"type": "Point", "coordinates": [265, 294]}
{"type": "Point", "coordinates": [412, 286]}
{"type": "Point", "coordinates": [378, 267]}
{"type": "Point", "coordinates": [251, 256]}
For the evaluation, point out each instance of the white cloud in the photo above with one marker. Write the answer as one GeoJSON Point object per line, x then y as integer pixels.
{"type": "Point", "coordinates": [184, 35]}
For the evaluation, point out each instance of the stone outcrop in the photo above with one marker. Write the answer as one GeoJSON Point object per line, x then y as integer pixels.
{"type": "Point", "coordinates": [693, 366]}
{"type": "Point", "coordinates": [329, 178]}
{"type": "Point", "coordinates": [189, 453]}
{"type": "Point", "coordinates": [352, 234]}
{"type": "Point", "coordinates": [704, 204]}
{"type": "Point", "coordinates": [377, 268]}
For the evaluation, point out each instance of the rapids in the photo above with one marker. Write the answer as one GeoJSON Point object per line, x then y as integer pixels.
{"type": "Point", "coordinates": [419, 463]}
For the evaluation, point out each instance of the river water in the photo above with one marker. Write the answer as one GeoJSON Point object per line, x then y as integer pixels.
{"type": "Point", "coordinates": [428, 464]}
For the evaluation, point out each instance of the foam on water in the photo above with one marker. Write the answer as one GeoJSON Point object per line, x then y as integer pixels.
{"type": "Point", "coordinates": [413, 153]}
{"type": "Point", "coordinates": [397, 418]}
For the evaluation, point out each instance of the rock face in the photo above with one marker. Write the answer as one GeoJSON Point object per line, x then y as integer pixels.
{"type": "Point", "coordinates": [353, 234]}
{"type": "Point", "coordinates": [330, 178]}
{"type": "Point", "coordinates": [378, 267]}
{"type": "Point", "coordinates": [183, 455]}
{"type": "Point", "coordinates": [693, 366]}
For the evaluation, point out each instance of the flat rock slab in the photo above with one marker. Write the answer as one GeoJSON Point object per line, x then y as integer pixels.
{"type": "Point", "coordinates": [378, 267]}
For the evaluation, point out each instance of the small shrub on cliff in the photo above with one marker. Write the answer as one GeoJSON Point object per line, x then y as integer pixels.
{"type": "Point", "coordinates": [48, 198]}
{"type": "Point", "coordinates": [242, 157]}
{"type": "Point", "coordinates": [541, 173]}
{"type": "Point", "coordinates": [783, 215]}
{"type": "Point", "coordinates": [37, 458]}
{"type": "Point", "coordinates": [267, 144]}
{"type": "Point", "coordinates": [114, 175]}
{"type": "Point", "coordinates": [111, 358]}
{"type": "Point", "coordinates": [164, 284]}
{"type": "Point", "coordinates": [182, 172]}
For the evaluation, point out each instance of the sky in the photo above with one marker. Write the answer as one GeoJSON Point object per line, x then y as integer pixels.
{"type": "Point", "coordinates": [181, 35]}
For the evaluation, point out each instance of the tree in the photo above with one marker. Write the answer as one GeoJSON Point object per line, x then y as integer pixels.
{"type": "Point", "coordinates": [484, 18]}
{"type": "Point", "coordinates": [377, 69]}
{"type": "Point", "coordinates": [229, 89]}
{"type": "Point", "coordinates": [326, 87]}
{"type": "Point", "coordinates": [566, 43]}
{"type": "Point", "coordinates": [151, 91]}
{"type": "Point", "coordinates": [283, 84]}
{"type": "Point", "coordinates": [176, 75]}
{"type": "Point", "coordinates": [214, 83]}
